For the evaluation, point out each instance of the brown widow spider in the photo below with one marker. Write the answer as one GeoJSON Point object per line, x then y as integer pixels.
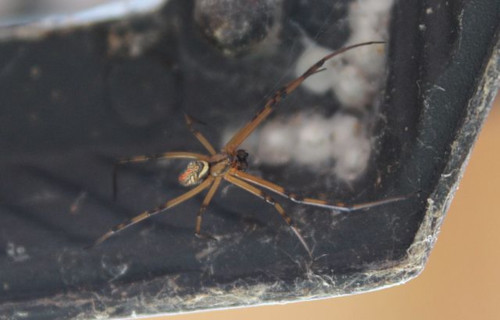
{"type": "Point", "coordinates": [208, 171]}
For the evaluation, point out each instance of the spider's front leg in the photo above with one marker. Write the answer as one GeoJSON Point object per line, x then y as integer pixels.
{"type": "Point", "coordinates": [279, 95]}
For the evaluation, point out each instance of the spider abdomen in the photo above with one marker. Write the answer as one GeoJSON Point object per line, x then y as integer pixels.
{"type": "Point", "coordinates": [196, 171]}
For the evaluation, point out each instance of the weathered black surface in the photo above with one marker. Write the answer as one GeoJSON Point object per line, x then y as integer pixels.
{"type": "Point", "coordinates": [72, 102]}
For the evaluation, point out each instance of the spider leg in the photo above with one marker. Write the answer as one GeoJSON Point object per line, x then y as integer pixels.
{"type": "Point", "coordinates": [149, 213]}
{"type": "Point", "coordinates": [339, 206]}
{"type": "Point", "coordinates": [244, 132]}
{"type": "Point", "coordinates": [204, 205]}
{"type": "Point", "coordinates": [159, 156]}
{"type": "Point", "coordinates": [259, 193]}
{"type": "Point", "coordinates": [198, 135]}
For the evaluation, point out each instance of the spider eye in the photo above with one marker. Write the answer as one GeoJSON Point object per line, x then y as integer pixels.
{"type": "Point", "coordinates": [195, 173]}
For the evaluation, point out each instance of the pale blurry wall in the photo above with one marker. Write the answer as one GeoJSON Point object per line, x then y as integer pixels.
{"type": "Point", "coordinates": [461, 280]}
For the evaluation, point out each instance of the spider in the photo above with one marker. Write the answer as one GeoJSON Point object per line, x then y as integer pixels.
{"type": "Point", "coordinates": [208, 171]}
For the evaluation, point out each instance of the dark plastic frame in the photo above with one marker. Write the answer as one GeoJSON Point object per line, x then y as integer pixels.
{"type": "Point", "coordinates": [67, 107]}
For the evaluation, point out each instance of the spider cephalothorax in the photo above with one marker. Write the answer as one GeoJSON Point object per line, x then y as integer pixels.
{"type": "Point", "coordinates": [241, 157]}
{"type": "Point", "coordinates": [208, 171]}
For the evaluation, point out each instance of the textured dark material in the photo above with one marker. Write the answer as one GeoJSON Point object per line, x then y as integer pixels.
{"type": "Point", "coordinates": [235, 26]}
{"type": "Point", "coordinates": [72, 102]}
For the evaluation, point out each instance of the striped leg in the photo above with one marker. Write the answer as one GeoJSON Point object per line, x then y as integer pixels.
{"type": "Point", "coordinates": [339, 206]}
{"type": "Point", "coordinates": [159, 156]}
{"type": "Point", "coordinates": [244, 132]}
{"type": "Point", "coordinates": [204, 205]}
{"type": "Point", "coordinates": [198, 135]}
{"type": "Point", "coordinates": [149, 213]}
{"type": "Point", "coordinates": [259, 193]}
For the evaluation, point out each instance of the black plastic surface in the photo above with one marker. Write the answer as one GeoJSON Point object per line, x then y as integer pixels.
{"type": "Point", "coordinates": [72, 102]}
